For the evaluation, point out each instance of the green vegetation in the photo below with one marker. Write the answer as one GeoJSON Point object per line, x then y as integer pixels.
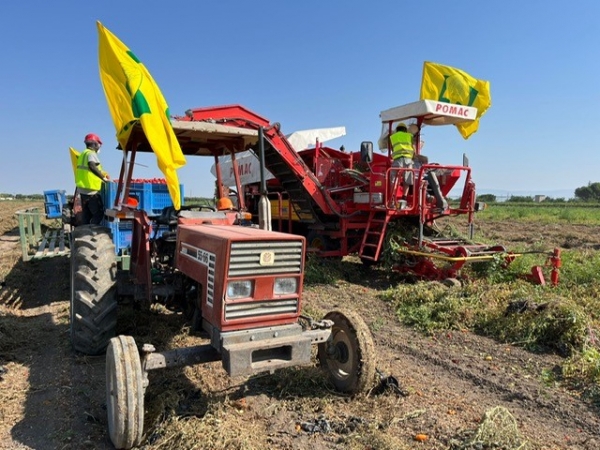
{"type": "Point", "coordinates": [563, 319]}
{"type": "Point", "coordinates": [500, 302]}
{"type": "Point", "coordinates": [589, 193]}
{"type": "Point", "coordinates": [581, 213]}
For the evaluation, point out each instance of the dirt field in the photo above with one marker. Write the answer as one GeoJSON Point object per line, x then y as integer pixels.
{"type": "Point", "coordinates": [51, 398]}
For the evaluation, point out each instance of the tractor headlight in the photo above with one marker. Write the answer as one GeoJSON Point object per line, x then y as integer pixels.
{"type": "Point", "coordinates": [285, 286]}
{"type": "Point", "coordinates": [239, 289]}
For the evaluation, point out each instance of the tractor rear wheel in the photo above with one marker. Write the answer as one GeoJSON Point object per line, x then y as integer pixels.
{"type": "Point", "coordinates": [349, 354]}
{"type": "Point", "coordinates": [93, 311]}
{"type": "Point", "coordinates": [124, 393]}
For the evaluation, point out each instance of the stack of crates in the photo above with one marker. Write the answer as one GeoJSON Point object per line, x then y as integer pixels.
{"type": "Point", "coordinates": [53, 203]}
{"type": "Point", "coordinates": [151, 197]}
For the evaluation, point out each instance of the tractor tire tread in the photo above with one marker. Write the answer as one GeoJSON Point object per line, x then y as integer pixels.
{"type": "Point", "coordinates": [93, 299]}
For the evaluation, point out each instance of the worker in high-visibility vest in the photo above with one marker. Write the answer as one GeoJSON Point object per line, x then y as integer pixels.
{"type": "Point", "coordinates": [402, 156]}
{"type": "Point", "coordinates": [89, 177]}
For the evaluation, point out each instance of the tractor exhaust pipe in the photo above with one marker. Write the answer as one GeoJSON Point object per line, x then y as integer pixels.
{"type": "Point", "coordinates": [264, 205]}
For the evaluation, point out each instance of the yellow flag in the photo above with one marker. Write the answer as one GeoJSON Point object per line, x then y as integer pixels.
{"type": "Point", "coordinates": [74, 155]}
{"type": "Point", "coordinates": [132, 96]}
{"type": "Point", "coordinates": [450, 85]}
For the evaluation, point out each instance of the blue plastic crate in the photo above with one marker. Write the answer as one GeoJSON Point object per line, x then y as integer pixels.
{"type": "Point", "coordinates": [151, 197]}
{"type": "Point", "coordinates": [55, 197]}
{"type": "Point", "coordinates": [53, 211]}
{"type": "Point", "coordinates": [122, 233]}
{"type": "Point", "coordinates": [53, 203]}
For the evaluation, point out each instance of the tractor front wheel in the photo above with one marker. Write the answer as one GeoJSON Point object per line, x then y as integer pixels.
{"type": "Point", "coordinates": [124, 393]}
{"type": "Point", "coordinates": [349, 354]}
{"type": "Point", "coordinates": [93, 310]}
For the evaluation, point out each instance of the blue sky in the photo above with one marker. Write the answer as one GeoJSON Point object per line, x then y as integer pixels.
{"type": "Point", "coordinates": [310, 64]}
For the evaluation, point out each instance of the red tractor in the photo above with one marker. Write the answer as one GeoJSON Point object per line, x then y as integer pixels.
{"type": "Point", "coordinates": [238, 283]}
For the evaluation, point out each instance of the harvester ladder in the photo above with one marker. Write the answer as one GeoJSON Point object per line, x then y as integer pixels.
{"type": "Point", "coordinates": [374, 235]}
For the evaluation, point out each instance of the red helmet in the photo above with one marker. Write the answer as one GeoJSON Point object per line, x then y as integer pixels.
{"type": "Point", "coordinates": [92, 138]}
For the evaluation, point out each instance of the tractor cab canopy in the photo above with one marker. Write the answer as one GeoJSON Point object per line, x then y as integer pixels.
{"type": "Point", "coordinates": [201, 138]}
{"type": "Point", "coordinates": [424, 112]}
{"type": "Point", "coordinates": [430, 112]}
{"type": "Point", "coordinates": [196, 138]}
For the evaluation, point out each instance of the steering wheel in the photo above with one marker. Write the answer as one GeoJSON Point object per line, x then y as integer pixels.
{"type": "Point", "coordinates": [197, 207]}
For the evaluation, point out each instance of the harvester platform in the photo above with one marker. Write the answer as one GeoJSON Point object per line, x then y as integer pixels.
{"type": "Point", "coordinates": [442, 257]}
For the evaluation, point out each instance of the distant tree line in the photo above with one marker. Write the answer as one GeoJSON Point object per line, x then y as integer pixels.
{"type": "Point", "coordinates": [22, 196]}
{"type": "Point", "coordinates": [36, 197]}
{"type": "Point", "coordinates": [588, 194]}
{"type": "Point", "coordinates": [491, 198]}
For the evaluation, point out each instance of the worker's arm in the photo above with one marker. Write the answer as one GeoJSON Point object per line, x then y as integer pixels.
{"type": "Point", "coordinates": [94, 168]}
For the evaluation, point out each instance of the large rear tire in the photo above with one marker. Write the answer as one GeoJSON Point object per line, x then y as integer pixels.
{"type": "Point", "coordinates": [349, 354]}
{"type": "Point", "coordinates": [93, 289]}
{"type": "Point", "coordinates": [124, 393]}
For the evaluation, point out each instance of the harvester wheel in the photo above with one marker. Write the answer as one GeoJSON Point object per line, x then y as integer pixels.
{"type": "Point", "coordinates": [316, 240]}
{"type": "Point", "coordinates": [124, 393]}
{"type": "Point", "coordinates": [93, 310]}
{"type": "Point", "coordinates": [322, 243]}
{"type": "Point", "coordinates": [349, 354]}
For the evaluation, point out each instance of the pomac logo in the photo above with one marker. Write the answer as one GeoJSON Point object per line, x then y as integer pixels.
{"type": "Point", "coordinates": [243, 169]}
{"type": "Point", "coordinates": [267, 258]}
{"type": "Point", "coordinates": [452, 109]}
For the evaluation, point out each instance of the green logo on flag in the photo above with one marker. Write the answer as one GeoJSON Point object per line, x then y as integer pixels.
{"type": "Point", "coordinates": [456, 90]}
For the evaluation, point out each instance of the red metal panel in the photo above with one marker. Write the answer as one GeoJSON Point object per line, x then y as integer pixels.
{"type": "Point", "coordinates": [231, 112]}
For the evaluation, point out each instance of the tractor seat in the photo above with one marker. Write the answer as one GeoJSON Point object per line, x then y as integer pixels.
{"type": "Point", "coordinates": [168, 216]}
{"type": "Point", "coordinates": [169, 236]}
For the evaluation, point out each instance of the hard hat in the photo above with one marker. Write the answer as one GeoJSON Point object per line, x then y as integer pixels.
{"type": "Point", "coordinates": [91, 137]}
{"type": "Point", "coordinates": [224, 203]}
{"type": "Point", "coordinates": [401, 125]}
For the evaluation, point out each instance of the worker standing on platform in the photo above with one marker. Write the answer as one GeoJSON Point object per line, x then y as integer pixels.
{"type": "Point", "coordinates": [402, 156]}
{"type": "Point", "coordinates": [89, 177]}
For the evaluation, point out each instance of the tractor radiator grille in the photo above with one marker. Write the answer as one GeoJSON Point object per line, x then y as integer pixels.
{"type": "Point", "coordinates": [264, 258]}
{"type": "Point", "coordinates": [258, 309]}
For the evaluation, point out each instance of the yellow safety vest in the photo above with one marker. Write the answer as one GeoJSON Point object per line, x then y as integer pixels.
{"type": "Point", "coordinates": [402, 145]}
{"type": "Point", "coordinates": [84, 177]}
